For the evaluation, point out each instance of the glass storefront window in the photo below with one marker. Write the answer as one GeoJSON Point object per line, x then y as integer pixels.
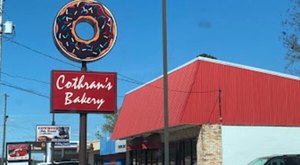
{"type": "Point", "coordinates": [172, 150]}
{"type": "Point", "coordinates": [187, 152]}
{"type": "Point", "coordinates": [149, 156]}
{"type": "Point", "coordinates": [182, 152]}
{"type": "Point", "coordinates": [194, 151]}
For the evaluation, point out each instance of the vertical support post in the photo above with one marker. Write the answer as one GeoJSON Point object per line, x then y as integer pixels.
{"type": "Point", "coordinates": [165, 83]}
{"type": "Point", "coordinates": [4, 129]}
{"type": "Point", "coordinates": [52, 143]}
{"type": "Point", "coordinates": [220, 106]}
{"type": "Point", "coordinates": [29, 151]}
{"type": "Point", "coordinates": [128, 157]}
{"type": "Point", "coordinates": [82, 139]}
{"type": "Point", "coordinates": [83, 130]}
{"type": "Point", "coordinates": [1, 33]}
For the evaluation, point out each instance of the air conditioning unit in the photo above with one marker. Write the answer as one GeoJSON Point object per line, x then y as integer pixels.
{"type": "Point", "coordinates": [8, 27]}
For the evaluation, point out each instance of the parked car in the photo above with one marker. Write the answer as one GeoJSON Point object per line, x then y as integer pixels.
{"type": "Point", "coordinates": [277, 160]}
{"type": "Point", "coordinates": [61, 163]}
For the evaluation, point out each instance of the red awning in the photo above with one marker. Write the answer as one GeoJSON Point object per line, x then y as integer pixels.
{"type": "Point", "coordinates": [250, 96]}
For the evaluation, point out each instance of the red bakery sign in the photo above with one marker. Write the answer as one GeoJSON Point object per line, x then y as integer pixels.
{"type": "Point", "coordinates": [84, 92]}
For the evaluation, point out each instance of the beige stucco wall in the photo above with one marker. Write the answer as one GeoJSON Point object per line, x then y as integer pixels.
{"type": "Point", "coordinates": [209, 145]}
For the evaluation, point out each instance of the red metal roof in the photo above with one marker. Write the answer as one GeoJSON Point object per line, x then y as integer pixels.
{"type": "Point", "coordinates": [249, 96]}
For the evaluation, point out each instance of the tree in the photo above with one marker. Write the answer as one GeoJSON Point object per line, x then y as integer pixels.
{"type": "Point", "coordinates": [108, 126]}
{"type": "Point", "coordinates": [290, 36]}
{"type": "Point", "coordinates": [207, 56]}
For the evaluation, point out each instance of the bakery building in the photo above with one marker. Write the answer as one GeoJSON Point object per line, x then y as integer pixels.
{"type": "Point", "coordinates": [219, 113]}
{"type": "Point", "coordinates": [113, 152]}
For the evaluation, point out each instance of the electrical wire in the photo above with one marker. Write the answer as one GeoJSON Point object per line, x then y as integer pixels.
{"type": "Point", "coordinates": [31, 91]}
{"type": "Point", "coordinates": [39, 52]}
{"type": "Point", "coordinates": [24, 90]}
{"type": "Point", "coordinates": [170, 90]}
{"type": "Point", "coordinates": [25, 78]}
{"type": "Point", "coordinates": [128, 79]}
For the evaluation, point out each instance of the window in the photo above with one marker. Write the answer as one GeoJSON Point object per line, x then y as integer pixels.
{"type": "Point", "coordinates": [188, 152]}
{"type": "Point", "coordinates": [194, 151]}
{"type": "Point", "coordinates": [172, 153]}
{"type": "Point", "coordinates": [183, 152]}
{"type": "Point", "coordinates": [276, 162]}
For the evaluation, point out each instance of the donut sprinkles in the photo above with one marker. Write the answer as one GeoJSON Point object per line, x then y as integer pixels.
{"type": "Point", "coordinates": [76, 48]}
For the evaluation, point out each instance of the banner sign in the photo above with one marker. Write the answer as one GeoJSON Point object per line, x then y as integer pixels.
{"type": "Point", "coordinates": [60, 134]}
{"type": "Point", "coordinates": [73, 91]}
{"type": "Point", "coordinates": [38, 146]}
{"type": "Point", "coordinates": [67, 145]}
{"type": "Point", "coordinates": [17, 152]}
{"type": "Point", "coordinates": [120, 146]}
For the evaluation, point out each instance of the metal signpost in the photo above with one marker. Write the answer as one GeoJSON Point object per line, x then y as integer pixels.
{"type": "Point", "coordinates": [165, 82]}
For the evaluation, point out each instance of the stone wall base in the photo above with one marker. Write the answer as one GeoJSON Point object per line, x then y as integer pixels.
{"type": "Point", "coordinates": [209, 145]}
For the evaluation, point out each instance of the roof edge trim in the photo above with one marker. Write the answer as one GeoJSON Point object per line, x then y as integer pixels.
{"type": "Point", "coordinates": [216, 61]}
{"type": "Point", "coordinates": [249, 68]}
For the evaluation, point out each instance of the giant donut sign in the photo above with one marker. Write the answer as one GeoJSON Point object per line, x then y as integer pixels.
{"type": "Point", "coordinates": [68, 41]}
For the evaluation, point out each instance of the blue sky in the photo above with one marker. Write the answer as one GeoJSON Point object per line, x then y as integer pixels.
{"type": "Point", "coordinates": [246, 32]}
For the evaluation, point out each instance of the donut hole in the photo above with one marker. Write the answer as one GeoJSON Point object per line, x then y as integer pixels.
{"type": "Point", "coordinates": [85, 30]}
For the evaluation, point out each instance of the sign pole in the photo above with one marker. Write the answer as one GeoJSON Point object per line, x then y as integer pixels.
{"type": "Point", "coordinates": [83, 130]}
{"type": "Point", "coordinates": [52, 143]}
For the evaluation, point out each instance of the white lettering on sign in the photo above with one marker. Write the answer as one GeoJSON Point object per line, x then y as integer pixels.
{"type": "Point", "coordinates": [79, 83]}
{"type": "Point", "coordinates": [69, 99]}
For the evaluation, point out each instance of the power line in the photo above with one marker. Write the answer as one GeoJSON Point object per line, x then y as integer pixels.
{"type": "Point", "coordinates": [56, 59]}
{"type": "Point", "coordinates": [45, 96]}
{"type": "Point", "coordinates": [128, 79]}
{"type": "Point", "coordinates": [30, 79]}
{"type": "Point", "coordinates": [31, 91]}
{"type": "Point", "coordinates": [125, 80]}
{"type": "Point", "coordinates": [24, 90]}
{"type": "Point", "coordinates": [39, 52]}
{"type": "Point", "coordinates": [131, 79]}
{"type": "Point", "coordinates": [171, 90]}
{"type": "Point", "coordinates": [25, 78]}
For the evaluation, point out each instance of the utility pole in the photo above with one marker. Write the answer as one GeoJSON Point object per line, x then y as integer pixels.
{"type": "Point", "coordinates": [8, 30]}
{"type": "Point", "coordinates": [4, 129]}
{"type": "Point", "coordinates": [4, 116]}
{"type": "Point", "coordinates": [1, 33]}
{"type": "Point", "coordinates": [165, 82]}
